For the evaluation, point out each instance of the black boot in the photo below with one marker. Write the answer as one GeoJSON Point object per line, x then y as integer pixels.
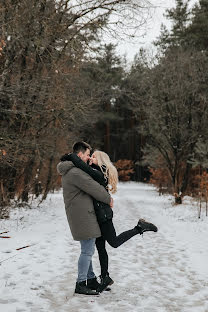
{"type": "Point", "coordinates": [94, 285]}
{"type": "Point", "coordinates": [105, 282]}
{"type": "Point", "coordinates": [81, 288]}
{"type": "Point", "coordinates": [144, 226]}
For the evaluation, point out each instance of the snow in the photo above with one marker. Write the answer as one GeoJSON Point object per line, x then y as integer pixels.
{"type": "Point", "coordinates": [159, 272]}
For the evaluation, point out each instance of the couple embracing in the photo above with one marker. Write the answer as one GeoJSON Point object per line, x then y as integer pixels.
{"type": "Point", "coordinates": [88, 204]}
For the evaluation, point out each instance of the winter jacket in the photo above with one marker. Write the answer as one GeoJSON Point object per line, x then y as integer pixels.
{"type": "Point", "coordinates": [79, 189]}
{"type": "Point", "coordinates": [103, 211]}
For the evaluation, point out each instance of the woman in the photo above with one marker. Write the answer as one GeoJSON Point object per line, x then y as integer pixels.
{"type": "Point", "coordinates": [104, 172]}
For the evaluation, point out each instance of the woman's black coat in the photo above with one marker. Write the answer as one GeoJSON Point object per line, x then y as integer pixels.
{"type": "Point", "coordinates": [103, 211]}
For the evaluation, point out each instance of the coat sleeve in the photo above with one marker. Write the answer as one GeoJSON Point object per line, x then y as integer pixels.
{"type": "Point", "coordinates": [95, 174]}
{"type": "Point", "coordinates": [85, 183]}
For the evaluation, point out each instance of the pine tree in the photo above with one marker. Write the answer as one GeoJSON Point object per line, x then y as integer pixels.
{"type": "Point", "coordinates": [103, 77]}
{"type": "Point", "coordinates": [188, 29]}
{"type": "Point", "coordinates": [197, 30]}
{"type": "Point", "coordinates": [179, 17]}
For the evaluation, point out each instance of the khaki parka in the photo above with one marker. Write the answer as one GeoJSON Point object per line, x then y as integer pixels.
{"type": "Point", "coordinates": [79, 189]}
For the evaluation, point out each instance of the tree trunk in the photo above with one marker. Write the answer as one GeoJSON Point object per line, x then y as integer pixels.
{"type": "Point", "coordinates": [177, 192]}
{"type": "Point", "coordinates": [27, 178]}
{"type": "Point", "coordinates": [48, 182]}
{"type": "Point", "coordinates": [186, 178]}
{"type": "Point", "coordinates": [107, 130]}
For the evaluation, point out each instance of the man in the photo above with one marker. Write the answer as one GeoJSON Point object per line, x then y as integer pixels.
{"type": "Point", "coordinates": [79, 189]}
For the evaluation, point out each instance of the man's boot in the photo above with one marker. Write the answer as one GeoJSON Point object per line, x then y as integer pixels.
{"type": "Point", "coordinates": [144, 226]}
{"type": "Point", "coordinates": [81, 288]}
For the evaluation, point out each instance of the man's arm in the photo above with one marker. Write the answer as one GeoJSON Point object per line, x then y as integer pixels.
{"type": "Point", "coordinates": [85, 183]}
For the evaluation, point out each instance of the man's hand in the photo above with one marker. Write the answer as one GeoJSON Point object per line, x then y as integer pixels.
{"type": "Point", "coordinates": [111, 203]}
{"type": "Point", "coordinates": [90, 161]}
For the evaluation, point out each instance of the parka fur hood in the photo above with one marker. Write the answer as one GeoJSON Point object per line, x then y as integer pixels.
{"type": "Point", "coordinates": [64, 166]}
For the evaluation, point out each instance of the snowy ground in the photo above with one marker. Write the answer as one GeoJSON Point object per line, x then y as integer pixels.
{"type": "Point", "coordinates": [161, 272]}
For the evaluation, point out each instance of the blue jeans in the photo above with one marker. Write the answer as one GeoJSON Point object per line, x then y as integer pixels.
{"type": "Point", "coordinates": [85, 269]}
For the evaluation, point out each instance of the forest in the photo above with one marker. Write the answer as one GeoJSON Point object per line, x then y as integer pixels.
{"type": "Point", "coordinates": [59, 83]}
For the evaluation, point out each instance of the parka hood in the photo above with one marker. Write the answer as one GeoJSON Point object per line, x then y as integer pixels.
{"type": "Point", "coordinates": [64, 166]}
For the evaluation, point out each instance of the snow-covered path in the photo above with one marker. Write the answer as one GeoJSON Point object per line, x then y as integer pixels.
{"type": "Point", "coordinates": [161, 272]}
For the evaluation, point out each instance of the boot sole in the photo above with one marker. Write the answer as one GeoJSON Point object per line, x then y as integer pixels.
{"type": "Point", "coordinates": [108, 288]}
{"type": "Point", "coordinates": [86, 295]}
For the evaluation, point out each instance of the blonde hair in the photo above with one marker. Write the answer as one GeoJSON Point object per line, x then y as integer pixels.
{"type": "Point", "coordinates": [110, 173]}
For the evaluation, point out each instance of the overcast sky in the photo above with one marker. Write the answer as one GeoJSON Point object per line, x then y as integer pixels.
{"type": "Point", "coordinates": [149, 32]}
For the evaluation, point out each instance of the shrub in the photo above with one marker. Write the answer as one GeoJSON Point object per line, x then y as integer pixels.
{"type": "Point", "coordinates": [125, 168]}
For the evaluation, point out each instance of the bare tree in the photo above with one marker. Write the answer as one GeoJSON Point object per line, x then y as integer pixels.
{"type": "Point", "coordinates": [176, 112]}
{"type": "Point", "coordinates": [42, 47]}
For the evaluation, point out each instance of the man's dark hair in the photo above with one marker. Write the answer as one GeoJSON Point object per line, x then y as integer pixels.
{"type": "Point", "coordinates": [81, 147]}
